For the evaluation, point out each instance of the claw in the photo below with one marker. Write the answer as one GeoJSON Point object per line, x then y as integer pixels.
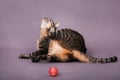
{"type": "Point", "coordinates": [24, 56]}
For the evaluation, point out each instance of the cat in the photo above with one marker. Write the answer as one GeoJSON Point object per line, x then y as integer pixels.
{"type": "Point", "coordinates": [64, 45]}
{"type": "Point", "coordinates": [43, 41]}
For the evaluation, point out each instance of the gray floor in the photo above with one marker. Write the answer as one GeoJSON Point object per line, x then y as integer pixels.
{"type": "Point", "coordinates": [12, 68]}
{"type": "Point", "coordinates": [98, 21]}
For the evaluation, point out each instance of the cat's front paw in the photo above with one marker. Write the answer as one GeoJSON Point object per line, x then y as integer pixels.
{"type": "Point", "coordinates": [52, 30]}
{"type": "Point", "coordinates": [52, 33]}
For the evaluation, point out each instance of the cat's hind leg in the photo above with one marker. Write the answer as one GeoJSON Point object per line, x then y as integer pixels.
{"type": "Point", "coordinates": [80, 56]}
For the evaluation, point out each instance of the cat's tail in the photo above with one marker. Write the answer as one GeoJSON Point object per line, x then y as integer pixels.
{"type": "Point", "coordinates": [88, 59]}
{"type": "Point", "coordinates": [103, 60]}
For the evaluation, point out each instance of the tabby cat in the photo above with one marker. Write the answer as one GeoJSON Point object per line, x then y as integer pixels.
{"type": "Point", "coordinates": [62, 46]}
{"type": "Point", "coordinates": [43, 41]}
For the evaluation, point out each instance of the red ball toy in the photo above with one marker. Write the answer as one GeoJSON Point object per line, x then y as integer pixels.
{"type": "Point", "coordinates": [53, 71]}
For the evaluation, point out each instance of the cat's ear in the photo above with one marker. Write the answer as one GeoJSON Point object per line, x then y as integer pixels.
{"type": "Point", "coordinates": [57, 24]}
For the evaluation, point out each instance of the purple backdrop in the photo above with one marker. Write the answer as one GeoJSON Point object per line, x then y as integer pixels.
{"type": "Point", "coordinates": [97, 20]}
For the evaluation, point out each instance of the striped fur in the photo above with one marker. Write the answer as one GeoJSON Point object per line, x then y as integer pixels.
{"type": "Point", "coordinates": [69, 39]}
{"type": "Point", "coordinates": [74, 44]}
{"type": "Point", "coordinates": [43, 41]}
{"type": "Point", "coordinates": [62, 46]}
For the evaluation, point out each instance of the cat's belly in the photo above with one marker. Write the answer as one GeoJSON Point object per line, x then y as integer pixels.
{"type": "Point", "coordinates": [58, 51]}
{"type": "Point", "coordinates": [55, 48]}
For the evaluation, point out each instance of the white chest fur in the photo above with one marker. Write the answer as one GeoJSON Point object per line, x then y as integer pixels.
{"type": "Point", "coordinates": [55, 48]}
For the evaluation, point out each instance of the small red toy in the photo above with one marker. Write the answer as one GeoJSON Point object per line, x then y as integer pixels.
{"type": "Point", "coordinates": [53, 71]}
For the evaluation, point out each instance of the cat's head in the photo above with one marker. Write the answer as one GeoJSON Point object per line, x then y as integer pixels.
{"type": "Point", "coordinates": [47, 23]}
